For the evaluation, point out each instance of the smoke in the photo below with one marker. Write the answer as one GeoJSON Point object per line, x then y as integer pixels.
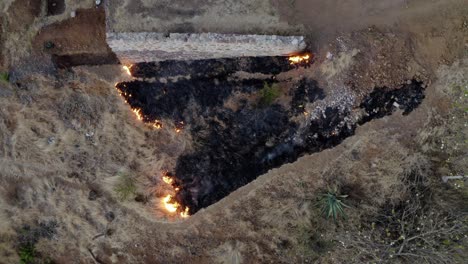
{"type": "Point", "coordinates": [283, 149]}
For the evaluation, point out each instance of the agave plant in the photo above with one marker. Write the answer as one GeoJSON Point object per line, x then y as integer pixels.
{"type": "Point", "coordinates": [332, 205]}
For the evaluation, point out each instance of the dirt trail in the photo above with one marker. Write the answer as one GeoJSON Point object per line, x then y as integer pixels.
{"type": "Point", "coordinates": [325, 20]}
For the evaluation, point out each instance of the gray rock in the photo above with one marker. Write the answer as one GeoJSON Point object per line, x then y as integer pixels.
{"type": "Point", "coordinates": [51, 140]}
{"type": "Point", "coordinates": [110, 216]}
{"type": "Point", "coordinates": [93, 195]}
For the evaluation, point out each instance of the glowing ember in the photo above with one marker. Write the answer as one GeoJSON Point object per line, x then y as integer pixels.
{"type": "Point", "coordinates": [138, 113]}
{"type": "Point", "coordinates": [299, 58]}
{"type": "Point", "coordinates": [185, 213]}
{"type": "Point", "coordinates": [167, 179]}
{"type": "Point", "coordinates": [179, 126]}
{"type": "Point", "coordinates": [127, 69]}
{"type": "Point", "coordinates": [157, 124]}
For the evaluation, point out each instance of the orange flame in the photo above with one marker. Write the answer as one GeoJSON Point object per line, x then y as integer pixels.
{"type": "Point", "coordinates": [138, 113]}
{"type": "Point", "coordinates": [127, 69]}
{"type": "Point", "coordinates": [157, 124]}
{"type": "Point", "coordinates": [299, 58]}
{"type": "Point", "coordinates": [185, 213]}
{"type": "Point", "coordinates": [170, 206]}
{"type": "Point", "coordinates": [167, 179]}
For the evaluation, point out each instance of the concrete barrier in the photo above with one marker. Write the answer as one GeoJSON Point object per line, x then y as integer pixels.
{"type": "Point", "coordinates": [157, 30]}
{"type": "Point", "coordinates": [145, 47]}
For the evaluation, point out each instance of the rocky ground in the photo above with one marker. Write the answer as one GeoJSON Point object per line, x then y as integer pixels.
{"type": "Point", "coordinates": [81, 176]}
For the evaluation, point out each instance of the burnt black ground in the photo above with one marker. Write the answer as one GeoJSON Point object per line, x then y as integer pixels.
{"type": "Point", "coordinates": [219, 67]}
{"type": "Point", "coordinates": [171, 100]}
{"type": "Point", "coordinates": [235, 146]}
{"type": "Point", "coordinates": [382, 101]}
{"type": "Point", "coordinates": [55, 7]}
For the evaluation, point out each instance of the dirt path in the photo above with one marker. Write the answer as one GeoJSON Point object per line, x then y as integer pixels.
{"type": "Point", "coordinates": [436, 27]}
{"type": "Point", "coordinates": [325, 20]}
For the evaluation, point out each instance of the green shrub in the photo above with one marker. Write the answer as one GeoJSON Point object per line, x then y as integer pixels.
{"type": "Point", "coordinates": [27, 254]}
{"type": "Point", "coordinates": [125, 188]}
{"type": "Point", "coordinates": [4, 76]}
{"type": "Point", "coordinates": [332, 205]}
{"type": "Point", "coordinates": [268, 94]}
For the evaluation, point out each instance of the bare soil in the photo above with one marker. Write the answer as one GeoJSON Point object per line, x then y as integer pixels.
{"type": "Point", "coordinates": [83, 35]}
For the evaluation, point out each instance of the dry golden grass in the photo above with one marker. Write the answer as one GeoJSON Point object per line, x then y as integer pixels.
{"type": "Point", "coordinates": [272, 219]}
{"type": "Point", "coordinates": [64, 140]}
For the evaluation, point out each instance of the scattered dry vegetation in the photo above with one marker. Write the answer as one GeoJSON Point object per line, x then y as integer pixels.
{"type": "Point", "coordinates": [125, 187]}
{"type": "Point", "coordinates": [65, 138]}
{"type": "Point", "coordinates": [414, 228]}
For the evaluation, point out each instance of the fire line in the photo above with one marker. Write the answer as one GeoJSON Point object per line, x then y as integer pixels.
{"type": "Point", "coordinates": [299, 59]}
{"type": "Point", "coordinates": [168, 202]}
{"type": "Point", "coordinates": [127, 69]}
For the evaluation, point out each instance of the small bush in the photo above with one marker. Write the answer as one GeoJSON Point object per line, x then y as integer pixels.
{"type": "Point", "coordinates": [268, 94]}
{"type": "Point", "coordinates": [414, 229]}
{"type": "Point", "coordinates": [29, 236]}
{"type": "Point", "coordinates": [332, 205]}
{"type": "Point", "coordinates": [4, 76]}
{"type": "Point", "coordinates": [310, 244]}
{"type": "Point", "coordinates": [27, 254]}
{"type": "Point", "coordinates": [125, 188]}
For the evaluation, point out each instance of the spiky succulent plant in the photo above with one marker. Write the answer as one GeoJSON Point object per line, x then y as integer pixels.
{"type": "Point", "coordinates": [332, 205]}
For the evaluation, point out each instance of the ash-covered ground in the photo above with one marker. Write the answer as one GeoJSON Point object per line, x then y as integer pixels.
{"type": "Point", "coordinates": [242, 127]}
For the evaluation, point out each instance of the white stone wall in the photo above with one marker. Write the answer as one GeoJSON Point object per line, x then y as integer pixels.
{"type": "Point", "coordinates": [145, 47]}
